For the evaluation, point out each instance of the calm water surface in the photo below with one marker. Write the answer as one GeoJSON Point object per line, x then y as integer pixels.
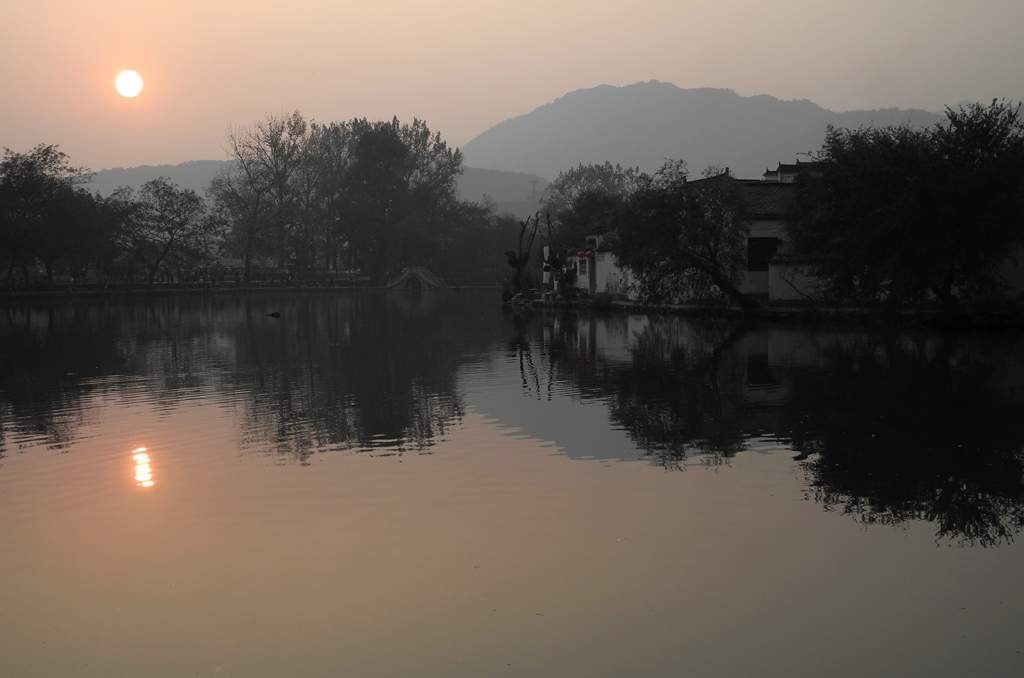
{"type": "Point", "coordinates": [392, 485]}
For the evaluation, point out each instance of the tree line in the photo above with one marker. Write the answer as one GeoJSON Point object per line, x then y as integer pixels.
{"type": "Point", "coordinates": [304, 200]}
{"type": "Point", "coordinates": [891, 216]}
{"type": "Point", "coordinates": [373, 197]}
{"type": "Point", "coordinates": [899, 214]}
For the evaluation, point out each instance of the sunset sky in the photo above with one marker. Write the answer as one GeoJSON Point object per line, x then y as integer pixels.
{"type": "Point", "coordinates": [464, 65]}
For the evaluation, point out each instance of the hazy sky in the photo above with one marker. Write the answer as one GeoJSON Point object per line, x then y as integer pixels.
{"type": "Point", "coordinates": [464, 65]}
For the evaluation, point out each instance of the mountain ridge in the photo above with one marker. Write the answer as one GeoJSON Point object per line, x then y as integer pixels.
{"type": "Point", "coordinates": [643, 124]}
{"type": "Point", "coordinates": [192, 174]}
{"type": "Point", "coordinates": [639, 125]}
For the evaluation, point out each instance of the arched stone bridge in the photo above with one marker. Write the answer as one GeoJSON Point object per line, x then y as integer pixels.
{"type": "Point", "coordinates": [416, 277]}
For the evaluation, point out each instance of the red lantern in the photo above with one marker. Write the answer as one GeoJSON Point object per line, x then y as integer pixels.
{"type": "Point", "coordinates": [590, 255]}
{"type": "Point", "coordinates": [581, 254]}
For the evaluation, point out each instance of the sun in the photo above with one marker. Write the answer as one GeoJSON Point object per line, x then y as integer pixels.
{"type": "Point", "coordinates": [128, 83]}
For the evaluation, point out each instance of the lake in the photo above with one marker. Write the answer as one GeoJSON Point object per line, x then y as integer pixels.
{"type": "Point", "coordinates": [379, 484]}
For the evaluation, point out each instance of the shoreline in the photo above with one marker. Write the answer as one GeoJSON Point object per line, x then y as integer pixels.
{"type": "Point", "coordinates": [931, 317]}
{"type": "Point", "coordinates": [1003, 316]}
{"type": "Point", "coordinates": [71, 293]}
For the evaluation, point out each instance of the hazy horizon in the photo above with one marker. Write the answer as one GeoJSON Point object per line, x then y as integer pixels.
{"type": "Point", "coordinates": [464, 67]}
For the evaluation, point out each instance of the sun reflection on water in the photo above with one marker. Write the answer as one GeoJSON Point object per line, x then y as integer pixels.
{"type": "Point", "coordinates": [143, 469]}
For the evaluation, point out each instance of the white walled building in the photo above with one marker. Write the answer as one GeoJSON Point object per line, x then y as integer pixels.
{"type": "Point", "coordinates": [772, 274]}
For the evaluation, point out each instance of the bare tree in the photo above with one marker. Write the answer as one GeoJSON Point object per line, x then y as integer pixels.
{"type": "Point", "coordinates": [254, 193]}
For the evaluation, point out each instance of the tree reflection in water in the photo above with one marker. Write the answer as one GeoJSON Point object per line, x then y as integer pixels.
{"type": "Point", "coordinates": [897, 428]}
{"type": "Point", "coordinates": [680, 399]}
{"type": "Point", "coordinates": [667, 383]}
{"type": "Point", "coordinates": [362, 371]}
{"type": "Point", "coordinates": [54, 357]}
{"type": "Point", "coordinates": [888, 427]}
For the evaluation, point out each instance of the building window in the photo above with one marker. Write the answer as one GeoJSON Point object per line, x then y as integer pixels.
{"type": "Point", "coordinates": [582, 268]}
{"type": "Point", "coordinates": [759, 252]}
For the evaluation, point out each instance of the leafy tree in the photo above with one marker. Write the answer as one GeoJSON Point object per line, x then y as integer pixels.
{"type": "Point", "coordinates": [401, 183]}
{"type": "Point", "coordinates": [307, 193]}
{"type": "Point", "coordinates": [469, 247]}
{"type": "Point", "coordinates": [583, 201]}
{"type": "Point", "coordinates": [164, 224]}
{"type": "Point", "coordinates": [33, 187]}
{"type": "Point", "coordinates": [593, 212]}
{"type": "Point", "coordinates": [71, 233]}
{"type": "Point", "coordinates": [685, 238]}
{"type": "Point", "coordinates": [898, 213]}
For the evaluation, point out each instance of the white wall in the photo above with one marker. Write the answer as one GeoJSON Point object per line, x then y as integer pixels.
{"type": "Point", "coordinates": [789, 281]}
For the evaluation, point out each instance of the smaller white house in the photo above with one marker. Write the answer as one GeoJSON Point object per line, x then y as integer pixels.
{"type": "Point", "coordinates": [598, 272]}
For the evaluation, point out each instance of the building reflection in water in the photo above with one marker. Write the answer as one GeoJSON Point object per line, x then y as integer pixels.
{"type": "Point", "coordinates": [143, 467]}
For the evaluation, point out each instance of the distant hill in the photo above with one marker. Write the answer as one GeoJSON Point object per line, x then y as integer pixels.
{"type": "Point", "coordinates": [194, 174]}
{"type": "Point", "coordinates": [500, 186]}
{"type": "Point", "coordinates": [643, 124]}
{"type": "Point", "coordinates": [636, 126]}
{"type": "Point", "coordinates": [514, 192]}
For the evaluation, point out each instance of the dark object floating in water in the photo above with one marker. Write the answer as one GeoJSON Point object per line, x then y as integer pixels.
{"type": "Point", "coordinates": [275, 314]}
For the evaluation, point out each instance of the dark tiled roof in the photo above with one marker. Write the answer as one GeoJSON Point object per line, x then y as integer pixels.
{"type": "Point", "coordinates": [800, 166]}
{"type": "Point", "coordinates": [761, 199]}
{"type": "Point", "coordinates": [766, 199]}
